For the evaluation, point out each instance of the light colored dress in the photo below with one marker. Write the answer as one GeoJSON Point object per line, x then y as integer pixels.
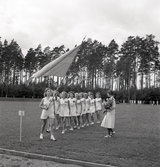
{"type": "Point", "coordinates": [64, 109]}
{"type": "Point", "coordinates": [92, 108]}
{"type": "Point", "coordinates": [50, 112]}
{"type": "Point", "coordinates": [87, 105]}
{"type": "Point", "coordinates": [72, 102]}
{"type": "Point", "coordinates": [57, 105]}
{"type": "Point", "coordinates": [83, 105]}
{"type": "Point", "coordinates": [98, 104]}
{"type": "Point", "coordinates": [79, 107]}
{"type": "Point", "coordinates": [109, 119]}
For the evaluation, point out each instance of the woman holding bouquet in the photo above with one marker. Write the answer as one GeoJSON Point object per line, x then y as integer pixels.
{"type": "Point", "coordinates": [109, 118]}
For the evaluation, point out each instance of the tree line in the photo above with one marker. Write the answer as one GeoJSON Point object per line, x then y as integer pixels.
{"type": "Point", "coordinates": [95, 66]}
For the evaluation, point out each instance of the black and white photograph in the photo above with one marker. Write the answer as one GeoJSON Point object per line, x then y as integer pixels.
{"type": "Point", "coordinates": [79, 83]}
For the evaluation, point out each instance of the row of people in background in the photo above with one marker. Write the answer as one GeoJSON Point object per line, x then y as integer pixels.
{"type": "Point", "coordinates": [69, 109]}
{"type": "Point", "coordinates": [79, 108]}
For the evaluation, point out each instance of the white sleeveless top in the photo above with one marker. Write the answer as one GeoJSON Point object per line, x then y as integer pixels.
{"type": "Point", "coordinates": [48, 102]}
{"type": "Point", "coordinates": [64, 110]}
{"type": "Point", "coordinates": [98, 103]}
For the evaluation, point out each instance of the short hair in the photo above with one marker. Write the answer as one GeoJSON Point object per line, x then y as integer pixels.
{"type": "Point", "coordinates": [91, 94]}
{"type": "Point", "coordinates": [85, 94]}
{"type": "Point", "coordinates": [76, 94]}
{"type": "Point", "coordinates": [81, 94]}
{"type": "Point", "coordinates": [64, 93]}
{"type": "Point", "coordinates": [98, 93]}
{"type": "Point", "coordinates": [46, 91]}
{"type": "Point", "coordinates": [57, 93]}
{"type": "Point", "coordinates": [71, 92]}
{"type": "Point", "coordinates": [110, 92]}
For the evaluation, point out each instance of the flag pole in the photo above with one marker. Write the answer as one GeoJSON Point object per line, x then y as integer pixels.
{"type": "Point", "coordinates": [60, 83]}
{"type": "Point", "coordinates": [49, 84]}
{"type": "Point", "coordinates": [58, 88]}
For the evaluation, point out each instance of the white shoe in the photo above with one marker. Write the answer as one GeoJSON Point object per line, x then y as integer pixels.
{"type": "Point", "coordinates": [107, 136]}
{"type": "Point", "coordinates": [92, 123]}
{"type": "Point", "coordinates": [71, 129]}
{"type": "Point", "coordinates": [113, 133]}
{"type": "Point", "coordinates": [63, 131]}
{"type": "Point", "coordinates": [52, 138]}
{"type": "Point", "coordinates": [57, 127]}
{"type": "Point", "coordinates": [41, 136]}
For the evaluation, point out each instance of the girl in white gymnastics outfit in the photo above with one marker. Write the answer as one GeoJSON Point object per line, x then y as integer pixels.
{"type": "Point", "coordinates": [92, 108]}
{"type": "Point", "coordinates": [79, 110]}
{"type": "Point", "coordinates": [64, 110]}
{"type": "Point", "coordinates": [47, 106]}
{"type": "Point", "coordinates": [98, 101]}
{"type": "Point", "coordinates": [87, 100]}
{"type": "Point", "coordinates": [57, 109]}
{"type": "Point", "coordinates": [73, 110]}
{"type": "Point", "coordinates": [83, 118]}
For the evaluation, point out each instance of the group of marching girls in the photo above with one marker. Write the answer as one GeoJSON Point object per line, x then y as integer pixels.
{"type": "Point", "coordinates": [75, 110]}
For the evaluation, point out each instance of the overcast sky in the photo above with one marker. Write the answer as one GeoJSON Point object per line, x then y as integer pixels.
{"type": "Point", "coordinates": [57, 22]}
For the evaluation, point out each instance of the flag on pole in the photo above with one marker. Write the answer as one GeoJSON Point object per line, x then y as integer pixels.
{"type": "Point", "coordinates": [57, 67]}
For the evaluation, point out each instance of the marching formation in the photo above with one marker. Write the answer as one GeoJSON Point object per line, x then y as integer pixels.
{"type": "Point", "coordinates": [75, 110]}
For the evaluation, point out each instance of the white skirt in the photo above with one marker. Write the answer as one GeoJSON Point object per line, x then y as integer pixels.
{"type": "Point", "coordinates": [47, 114]}
{"type": "Point", "coordinates": [108, 121]}
{"type": "Point", "coordinates": [83, 110]}
{"type": "Point", "coordinates": [73, 111]}
{"type": "Point", "coordinates": [64, 111]}
{"type": "Point", "coordinates": [92, 109]}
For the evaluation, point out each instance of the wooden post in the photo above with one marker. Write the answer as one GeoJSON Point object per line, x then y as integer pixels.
{"type": "Point", "coordinates": [21, 114]}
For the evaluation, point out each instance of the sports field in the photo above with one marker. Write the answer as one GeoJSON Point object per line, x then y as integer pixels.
{"type": "Point", "coordinates": [136, 143]}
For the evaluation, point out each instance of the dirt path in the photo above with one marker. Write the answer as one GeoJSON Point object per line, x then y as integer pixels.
{"type": "Point", "coordinates": [15, 161]}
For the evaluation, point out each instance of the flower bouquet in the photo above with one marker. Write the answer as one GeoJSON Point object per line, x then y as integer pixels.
{"type": "Point", "coordinates": [108, 105]}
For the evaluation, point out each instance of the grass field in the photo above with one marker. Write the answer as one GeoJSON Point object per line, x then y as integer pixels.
{"type": "Point", "coordinates": [136, 143]}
